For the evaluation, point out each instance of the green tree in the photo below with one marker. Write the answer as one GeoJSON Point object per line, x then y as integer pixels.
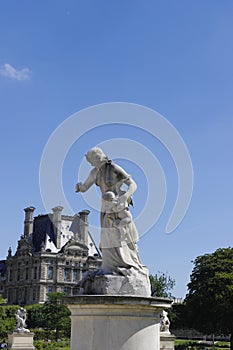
{"type": "Point", "coordinates": [210, 293]}
{"type": "Point", "coordinates": [35, 316]}
{"type": "Point", "coordinates": [161, 285]}
{"type": "Point", "coordinates": [179, 316]}
{"type": "Point", "coordinates": [7, 320]}
{"type": "Point", "coordinates": [56, 315]}
{"type": "Point", "coordinates": [2, 300]}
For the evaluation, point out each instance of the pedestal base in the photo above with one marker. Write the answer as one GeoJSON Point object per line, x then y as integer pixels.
{"type": "Point", "coordinates": [167, 341]}
{"type": "Point", "coordinates": [118, 285]}
{"type": "Point", "coordinates": [20, 341]}
{"type": "Point", "coordinates": [104, 322]}
{"type": "Point", "coordinates": [127, 282]}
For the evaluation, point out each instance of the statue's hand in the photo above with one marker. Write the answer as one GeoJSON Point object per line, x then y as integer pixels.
{"type": "Point", "coordinates": [77, 187]}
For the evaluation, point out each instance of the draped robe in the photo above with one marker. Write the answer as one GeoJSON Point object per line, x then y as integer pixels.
{"type": "Point", "coordinates": [118, 244]}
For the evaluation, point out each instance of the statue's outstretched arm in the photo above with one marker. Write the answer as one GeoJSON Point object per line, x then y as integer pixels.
{"type": "Point", "coordinates": [83, 187]}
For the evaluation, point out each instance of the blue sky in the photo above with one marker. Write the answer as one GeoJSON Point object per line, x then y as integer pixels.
{"type": "Point", "coordinates": [175, 57]}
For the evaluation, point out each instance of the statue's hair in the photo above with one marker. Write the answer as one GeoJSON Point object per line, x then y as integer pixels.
{"type": "Point", "coordinates": [96, 151]}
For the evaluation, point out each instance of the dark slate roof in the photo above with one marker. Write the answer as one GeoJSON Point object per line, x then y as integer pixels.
{"type": "Point", "coordinates": [2, 268]}
{"type": "Point", "coordinates": [42, 225]}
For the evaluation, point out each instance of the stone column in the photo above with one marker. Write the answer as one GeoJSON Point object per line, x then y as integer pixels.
{"type": "Point", "coordinates": [42, 294]}
{"type": "Point", "coordinates": [115, 322]}
{"type": "Point", "coordinates": [83, 225]}
{"type": "Point", "coordinates": [28, 222]}
{"type": "Point", "coordinates": [57, 225]}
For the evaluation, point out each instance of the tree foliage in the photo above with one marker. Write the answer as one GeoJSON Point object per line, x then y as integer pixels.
{"type": "Point", "coordinates": [161, 285]}
{"type": "Point", "coordinates": [7, 320]}
{"type": "Point", "coordinates": [53, 316]}
{"type": "Point", "coordinates": [210, 295]}
{"type": "Point", "coordinates": [2, 300]}
{"type": "Point", "coordinates": [35, 316]}
{"type": "Point", "coordinates": [56, 314]}
{"type": "Point", "coordinates": [178, 316]}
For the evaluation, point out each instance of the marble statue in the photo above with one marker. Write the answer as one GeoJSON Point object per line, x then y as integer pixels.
{"type": "Point", "coordinates": [118, 214]}
{"type": "Point", "coordinates": [119, 236]}
{"type": "Point", "coordinates": [164, 322]}
{"type": "Point", "coordinates": [21, 321]}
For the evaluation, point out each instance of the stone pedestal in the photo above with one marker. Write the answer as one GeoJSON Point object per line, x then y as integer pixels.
{"type": "Point", "coordinates": [103, 322]}
{"type": "Point", "coordinates": [167, 341]}
{"type": "Point", "coordinates": [134, 284]}
{"type": "Point", "coordinates": [20, 341]}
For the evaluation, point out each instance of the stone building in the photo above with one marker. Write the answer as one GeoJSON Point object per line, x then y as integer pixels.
{"type": "Point", "coordinates": [52, 255]}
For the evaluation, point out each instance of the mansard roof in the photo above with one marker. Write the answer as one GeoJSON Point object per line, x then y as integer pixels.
{"type": "Point", "coordinates": [42, 226]}
{"type": "Point", "coordinates": [2, 268]}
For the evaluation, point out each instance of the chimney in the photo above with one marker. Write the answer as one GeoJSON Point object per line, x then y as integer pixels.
{"type": "Point", "coordinates": [57, 225]}
{"type": "Point", "coordinates": [75, 227]}
{"type": "Point", "coordinates": [28, 222]}
{"type": "Point", "coordinates": [83, 225]}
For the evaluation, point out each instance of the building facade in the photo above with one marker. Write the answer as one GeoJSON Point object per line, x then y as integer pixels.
{"type": "Point", "coordinates": [53, 254]}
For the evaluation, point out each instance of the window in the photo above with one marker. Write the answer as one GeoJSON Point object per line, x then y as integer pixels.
{"type": "Point", "coordinates": [34, 293]}
{"type": "Point", "coordinates": [65, 289]}
{"type": "Point", "coordinates": [75, 291]}
{"type": "Point", "coordinates": [75, 275]}
{"type": "Point", "coordinates": [10, 295]}
{"type": "Point", "coordinates": [50, 272]}
{"type": "Point", "coordinates": [67, 274]}
{"type": "Point", "coordinates": [50, 289]}
{"type": "Point", "coordinates": [26, 274]}
{"type": "Point", "coordinates": [35, 272]}
{"type": "Point", "coordinates": [25, 294]}
{"type": "Point", "coordinates": [11, 275]}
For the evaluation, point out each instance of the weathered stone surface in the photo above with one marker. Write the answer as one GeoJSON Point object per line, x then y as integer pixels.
{"type": "Point", "coordinates": [133, 283]}
{"type": "Point", "coordinates": [167, 341]}
{"type": "Point", "coordinates": [115, 322]}
{"type": "Point", "coordinates": [129, 282]}
{"type": "Point", "coordinates": [20, 341]}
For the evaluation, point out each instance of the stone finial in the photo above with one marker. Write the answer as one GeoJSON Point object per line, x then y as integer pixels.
{"type": "Point", "coordinates": [9, 252]}
{"type": "Point", "coordinates": [57, 214]}
{"type": "Point", "coordinates": [84, 214]}
{"type": "Point", "coordinates": [29, 213]}
{"type": "Point", "coordinates": [57, 209]}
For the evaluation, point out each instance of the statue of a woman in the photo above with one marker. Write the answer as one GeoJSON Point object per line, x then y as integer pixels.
{"type": "Point", "coordinates": [118, 232]}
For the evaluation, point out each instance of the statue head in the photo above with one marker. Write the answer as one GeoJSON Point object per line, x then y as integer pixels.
{"type": "Point", "coordinates": [96, 157]}
{"type": "Point", "coordinates": [109, 196]}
